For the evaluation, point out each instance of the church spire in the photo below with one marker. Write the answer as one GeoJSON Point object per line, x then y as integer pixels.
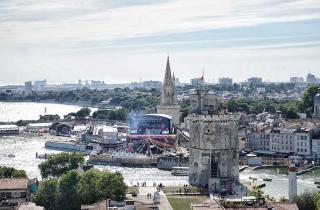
{"type": "Point", "coordinates": [168, 95]}
{"type": "Point", "coordinates": [167, 76]}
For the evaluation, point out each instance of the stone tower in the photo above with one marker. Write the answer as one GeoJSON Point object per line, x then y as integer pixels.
{"type": "Point", "coordinates": [214, 151]}
{"type": "Point", "coordinates": [316, 108]}
{"type": "Point", "coordinates": [168, 102]}
{"type": "Point", "coordinates": [292, 170]}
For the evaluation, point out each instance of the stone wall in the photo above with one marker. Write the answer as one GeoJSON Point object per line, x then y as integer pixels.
{"type": "Point", "coordinates": [214, 151]}
{"type": "Point", "coordinates": [172, 110]}
{"type": "Point", "coordinates": [166, 163]}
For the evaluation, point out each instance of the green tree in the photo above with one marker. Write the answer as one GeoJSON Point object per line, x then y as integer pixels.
{"type": "Point", "coordinates": [306, 201]}
{"type": "Point", "coordinates": [84, 112]}
{"type": "Point", "coordinates": [47, 194]}
{"type": "Point", "coordinates": [306, 104]}
{"type": "Point", "coordinates": [9, 172]}
{"type": "Point", "coordinates": [317, 200]}
{"type": "Point", "coordinates": [257, 192]}
{"type": "Point", "coordinates": [69, 198]}
{"type": "Point", "coordinates": [60, 164]}
{"type": "Point", "coordinates": [96, 185]}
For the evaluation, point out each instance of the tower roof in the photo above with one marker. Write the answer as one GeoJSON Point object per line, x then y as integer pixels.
{"type": "Point", "coordinates": [167, 76]}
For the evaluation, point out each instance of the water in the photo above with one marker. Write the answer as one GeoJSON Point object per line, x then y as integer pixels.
{"type": "Point", "coordinates": [14, 111]}
{"type": "Point", "coordinates": [278, 187]}
{"type": "Point", "coordinates": [25, 151]}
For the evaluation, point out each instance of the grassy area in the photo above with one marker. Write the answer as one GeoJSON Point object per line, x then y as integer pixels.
{"type": "Point", "coordinates": [175, 189]}
{"type": "Point", "coordinates": [132, 189]}
{"type": "Point", "coordinates": [184, 202]}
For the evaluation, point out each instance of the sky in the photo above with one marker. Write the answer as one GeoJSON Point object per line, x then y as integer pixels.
{"type": "Point", "coordinates": [123, 40]}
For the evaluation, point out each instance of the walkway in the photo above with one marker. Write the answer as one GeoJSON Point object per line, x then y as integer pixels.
{"type": "Point", "coordinates": [142, 196]}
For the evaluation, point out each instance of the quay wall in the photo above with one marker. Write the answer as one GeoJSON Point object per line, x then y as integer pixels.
{"type": "Point", "coordinates": [143, 162]}
{"type": "Point", "coordinates": [166, 163]}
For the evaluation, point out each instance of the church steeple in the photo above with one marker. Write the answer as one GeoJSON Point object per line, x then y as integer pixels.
{"type": "Point", "coordinates": [168, 95]}
{"type": "Point", "coordinates": [167, 76]}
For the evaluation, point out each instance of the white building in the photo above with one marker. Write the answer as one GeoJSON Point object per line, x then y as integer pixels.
{"type": "Point", "coordinates": [282, 140]}
{"type": "Point", "coordinates": [107, 134]}
{"type": "Point", "coordinates": [258, 141]}
{"type": "Point", "coordinates": [39, 84]}
{"type": "Point", "coordinates": [296, 80]}
{"type": "Point", "coordinates": [254, 81]}
{"type": "Point", "coordinates": [316, 147]}
{"type": "Point", "coordinates": [225, 81]}
{"type": "Point", "coordinates": [28, 87]}
{"type": "Point", "coordinates": [198, 82]}
{"type": "Point", "coordinates": [303, 143]}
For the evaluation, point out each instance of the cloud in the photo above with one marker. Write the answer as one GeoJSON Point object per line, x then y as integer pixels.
{"type": "Point", "coordinates": [61, 21]}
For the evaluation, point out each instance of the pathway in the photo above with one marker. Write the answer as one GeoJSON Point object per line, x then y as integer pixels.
{"type": "Point", "coordinates": [142, 196]}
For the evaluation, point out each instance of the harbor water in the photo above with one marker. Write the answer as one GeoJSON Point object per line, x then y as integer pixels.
{"type": "Point", "coordinates": [14, 111]}
{"type": "Point", "coordinates": [25, 150]}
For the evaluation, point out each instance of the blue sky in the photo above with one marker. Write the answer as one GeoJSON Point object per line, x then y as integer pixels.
{"type": "Point", "coordinates": [121, 41]}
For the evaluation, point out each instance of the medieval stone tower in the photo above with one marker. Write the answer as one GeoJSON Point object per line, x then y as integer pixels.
{"type": "Point", "coordinates": [213, 150]}
{"type": "Point", "coordinates": [168, 103]}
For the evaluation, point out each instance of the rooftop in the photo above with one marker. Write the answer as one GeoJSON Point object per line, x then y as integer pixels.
{"type": "Point", "coordinates": [13, 183]}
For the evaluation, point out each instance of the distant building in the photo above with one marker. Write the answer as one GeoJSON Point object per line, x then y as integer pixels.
{"type": "Point", "coordinates": [254, 81]}
{"type": "Point", "coordinates": [207, 100]}
{"type": "Point", "coordinates": [197, 82]}
{"type": "Point", "coordinates": [28, 87]}
{"type": "Point", "coordinates": [261, 90]}
{"type": "Point", "coordinates": [316, 108]}
{"type": "Point", "coordinates": [97, 84]}
{"type": "Point", "coordinates": [225, 81]}
{"type": "Point", "coordinates": [151, 85]}
{"type": "Point", "coordinates": [169, 104]}
{"type": "Point", "coordinates": [296, 80]}
{"type": "Point", "coordinates": [311, 79]}
{"type": "Point", "coordinates": [39, 84]}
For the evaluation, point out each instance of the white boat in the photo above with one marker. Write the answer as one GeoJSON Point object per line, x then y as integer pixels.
{"type": "Point", "coordinates": [180, 171]}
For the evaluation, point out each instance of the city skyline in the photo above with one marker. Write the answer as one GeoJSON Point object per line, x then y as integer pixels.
{"type": "Point", "coordinates": [99, 40]}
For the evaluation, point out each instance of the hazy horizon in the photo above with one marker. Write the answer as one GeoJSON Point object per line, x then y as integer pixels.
{"type": "Point", "coordinates": [121, 41]}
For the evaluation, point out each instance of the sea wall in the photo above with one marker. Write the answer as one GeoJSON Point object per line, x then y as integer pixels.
{"type": "Point", "coordinates": [166, 163]}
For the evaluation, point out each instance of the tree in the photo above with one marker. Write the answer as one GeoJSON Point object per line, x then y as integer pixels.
{"type": "Point", "coordinates": [47, 194]}
{"type": "Point", "coordinates": [257, 192]}
{"type": "Point", "coordinates": [69, 198]}
{"type": "Point", "coordinates": [306, 201]}
{"type": "Point", "coordinates": [317, 200]}
{"type": "Point", "coordinates": [60, 164]}
{"type": "Point", "coordinates": [96, 185]}
{"type": "Point", "coordinates": [84, 112]}
{"type": "Point", "coordinates": [9, 172]}
{"type": "Point", "coordinates": [306, 104]}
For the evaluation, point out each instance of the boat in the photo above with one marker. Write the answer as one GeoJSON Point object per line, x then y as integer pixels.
{"type": "Point", "coordinates": [317, 182]}
{"type": "Point", "coordinates": [180, 171]}
{"type": "Point", "coordinates": [253, 178]}
{"type": "Point", "coordinates": [318, 186]}
{"type": "Point", "coordinates": [267, 179]}
{"type": "Point", "coordinates": [11, 155]}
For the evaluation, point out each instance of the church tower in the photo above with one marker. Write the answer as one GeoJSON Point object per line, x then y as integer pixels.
{"type": "Point", "coordinates": [168, 95]}
{"type": "Point", "coordinates": [168, 102]}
